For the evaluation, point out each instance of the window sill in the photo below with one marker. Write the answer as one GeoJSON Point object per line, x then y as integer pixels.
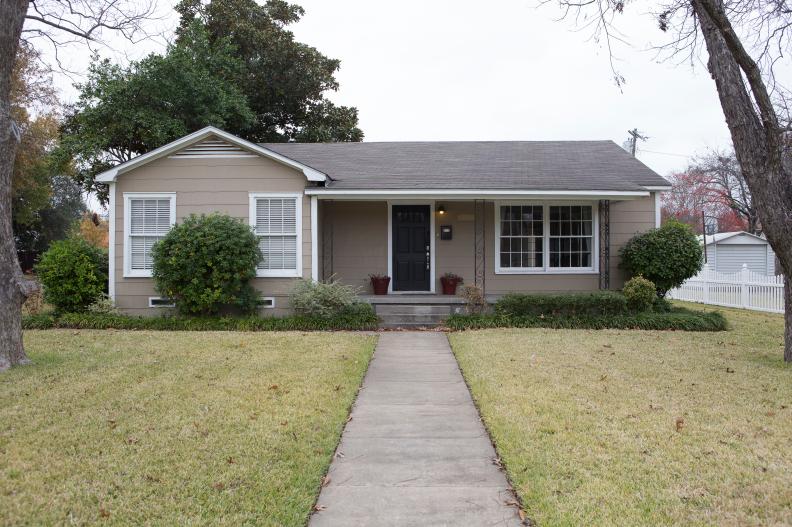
{"type": "Point", "coordinates": [137, 274]}
{"type": "Point", "coordinates": [278, 274]}
{"type": "Point", "coordinates": [545, 271]}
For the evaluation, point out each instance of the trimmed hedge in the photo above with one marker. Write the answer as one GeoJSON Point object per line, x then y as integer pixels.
{"type": "Point", "coordinates": [678, 319]}
{"type": "Point", "coordinates": [570, 304]}
{"type": "Point", "coordinates": [357, 320]}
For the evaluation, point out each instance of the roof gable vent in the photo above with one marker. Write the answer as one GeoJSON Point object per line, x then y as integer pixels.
{"type": "Point", "coordinates": [213, 147]}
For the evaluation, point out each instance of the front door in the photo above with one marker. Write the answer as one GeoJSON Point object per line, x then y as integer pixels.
{"type": "Point", "coordinates": [411, 247]}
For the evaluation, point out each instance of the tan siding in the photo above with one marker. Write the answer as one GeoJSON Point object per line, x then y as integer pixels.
{"type": "Point", "coordinates": [360, 240]}
{"type": "Point", "coordinates": [202, 186]}
{"type": "Point", "coordinates": [455, 255]}
{"type": "Point", "coordinates": [628, 218]}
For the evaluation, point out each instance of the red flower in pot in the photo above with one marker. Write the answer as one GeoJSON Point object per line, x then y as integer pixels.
{"type": "Point", "coordinates": [450, 281]}
{"type": "Point", "coordinates": [379, 282]}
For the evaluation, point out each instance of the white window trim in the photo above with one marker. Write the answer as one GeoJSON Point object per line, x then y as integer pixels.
{"type": "Point", "coordinates": [129, 196]}
{"type": "Point", "coordinates": [546, 269]}
{"type": "Point", "coordinates": [280, 273]}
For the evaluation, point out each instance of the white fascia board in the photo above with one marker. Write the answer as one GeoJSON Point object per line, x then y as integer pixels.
{"type": "Point", "coordinates": [473, 193]}
{"type": "Point", "coordinates": [110, 175]}
{"type": "Point", "coordinates": [659, 188]}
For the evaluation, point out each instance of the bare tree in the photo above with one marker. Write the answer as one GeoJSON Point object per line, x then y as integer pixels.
{"type": "Point", "coordinates": [721, 173]}
{"type": "Point", "coordinates": [58, 23]}
{"type": "Point", "coordinates": [744, 40]}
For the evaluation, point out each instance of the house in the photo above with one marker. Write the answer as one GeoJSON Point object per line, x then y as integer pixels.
{"type": "Point", "coordinates": [728, 251]}
{"type": "Point", "coordinates": [536, 216]}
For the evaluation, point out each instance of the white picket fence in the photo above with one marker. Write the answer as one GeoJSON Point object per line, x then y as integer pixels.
{"type": "Point", "coordinates": [745, 289]}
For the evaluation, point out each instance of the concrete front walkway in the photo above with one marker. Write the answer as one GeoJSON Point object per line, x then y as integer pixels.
{"type": "Point", "coordinates": [415, 452]}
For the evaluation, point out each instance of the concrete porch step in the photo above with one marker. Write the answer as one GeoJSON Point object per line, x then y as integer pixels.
{"type": "Point", "coordinates": [412, 316]}
{"type": "Point", "coordinates": [406, 309]}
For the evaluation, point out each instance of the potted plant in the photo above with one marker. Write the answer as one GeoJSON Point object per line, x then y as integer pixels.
{"type": "Point", "coordinates": [450, 281]}
{"type": "Point", "coordinates": [380, 283]}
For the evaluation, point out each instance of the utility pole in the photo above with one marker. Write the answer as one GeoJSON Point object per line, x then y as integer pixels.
{"type": "Point", "coordinates": [635, 135]}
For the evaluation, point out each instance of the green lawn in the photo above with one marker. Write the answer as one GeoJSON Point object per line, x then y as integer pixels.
{"type": "Point", "coordinates": [640, 427]}
{"type": "Point", "coordinates": [166, 428]}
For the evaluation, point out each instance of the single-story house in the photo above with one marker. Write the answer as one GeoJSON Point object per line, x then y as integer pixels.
{"type": "Point", "coordinates": [522, 216]}
{"type": "Point", "coordinates": [728, 251]}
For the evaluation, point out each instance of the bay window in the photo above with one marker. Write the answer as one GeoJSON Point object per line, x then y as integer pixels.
{"type": "Point", "coordinates": [549, 238]}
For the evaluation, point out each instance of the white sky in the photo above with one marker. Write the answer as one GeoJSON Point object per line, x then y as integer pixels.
{"type": "Point", "coordinates": [469, 70]}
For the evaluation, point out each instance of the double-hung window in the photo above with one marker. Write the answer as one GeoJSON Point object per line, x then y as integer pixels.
{"type": "Point", "coordinates": [545, 238]}
{"type": "Point", "coordinates": [147, 219]}
{"type": "Point", "coordinates": [277, 221]}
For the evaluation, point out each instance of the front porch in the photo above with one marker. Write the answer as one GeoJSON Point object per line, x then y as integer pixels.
{"type": "Point", "coordinates": [414, 310]}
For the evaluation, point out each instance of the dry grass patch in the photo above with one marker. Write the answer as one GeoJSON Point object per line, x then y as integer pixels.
{"type": "Point", "coordinates": [640, 427]}
{"type": "Point", "coordinates": [205, 428]}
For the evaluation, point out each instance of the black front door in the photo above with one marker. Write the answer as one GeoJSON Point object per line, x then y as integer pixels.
{"type": "Point", "coordinates": [411, 247]}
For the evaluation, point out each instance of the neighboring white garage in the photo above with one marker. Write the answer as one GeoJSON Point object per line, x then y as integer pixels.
{"type": "Point", "coordinates": [728, 251]}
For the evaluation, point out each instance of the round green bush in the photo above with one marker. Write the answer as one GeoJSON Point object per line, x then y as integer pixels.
{"type": "Point", "coordinates": [205, 264]}
{"type": "Point", "coordinates": [640, 293]}
{"type": "Point", "coordinates": [73, 274]}
{"type": "Point", "coordinates": [667, 256]}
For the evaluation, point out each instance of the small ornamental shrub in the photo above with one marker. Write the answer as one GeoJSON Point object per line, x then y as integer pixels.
{"type": "Point", "coordinates": [205, 264]}
{"type": "Point", "coordinates": [103, 305]}
{"type": "Point", "coordinates": [595, 303]}
{"type": "Point", "coordinates": [640, 293]}
{"type": "Point", "coordinates": [73, 274]}
{"type": "Point", "coordinates": [667, 256]}
{"type": "Point", "coordinates": [323, 299]}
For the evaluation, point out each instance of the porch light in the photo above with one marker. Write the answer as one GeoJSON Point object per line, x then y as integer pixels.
{"type": "Point", "coordinates": [441, 210]}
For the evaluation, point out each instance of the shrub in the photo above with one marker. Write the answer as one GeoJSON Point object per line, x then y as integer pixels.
{"type": "Point", "coordinates": [640, 293]}
{"type": "Point", "coordinates": [595, 303]}
{"type": "Point", "coordinates": [475, 302]}
{"type": "Point", "coordinates": [678, 319]}
{"type": "Point", "coordinates": [73, 274]}
{"type": "Point", "coordinates": [322, 299]}
{"type": "Point", "coordinates": [667, 256]}
{"type": "Point", "coordinates": [103, 305]}
{"type": "Point", "coordinates": [206, 263]}
{"type": "Point", "coordinates": [360, 317]}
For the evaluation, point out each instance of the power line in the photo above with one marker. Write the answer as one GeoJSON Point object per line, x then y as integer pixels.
{"type": "Point", "coordinates": [642, 150]}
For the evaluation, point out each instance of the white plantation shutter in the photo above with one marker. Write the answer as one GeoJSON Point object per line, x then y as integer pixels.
{"type": "Point", "coordinates": [276, 226]}
{"type": "Point", "coordinates": [150, 218]}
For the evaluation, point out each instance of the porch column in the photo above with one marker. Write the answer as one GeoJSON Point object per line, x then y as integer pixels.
{"type": "Point", "coordinates": [479, 248]}
{"type": "Point", "coordinates": [327, 239]}
{"type": "Point", "coordinates": [314, 238]}
{"type": "Point", "coordinates": [604, 244]}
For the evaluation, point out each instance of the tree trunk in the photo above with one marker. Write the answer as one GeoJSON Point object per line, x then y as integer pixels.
{"type": "Point", "coordinates": [757, 138]}
{"type": "Point", "coordinates": [14, 289]}
{"type": "Point", "coordinates": [787, 319]}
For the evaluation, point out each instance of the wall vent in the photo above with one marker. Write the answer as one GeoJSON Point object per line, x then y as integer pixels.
{"type": "Point", "coordinates": [213, 148]}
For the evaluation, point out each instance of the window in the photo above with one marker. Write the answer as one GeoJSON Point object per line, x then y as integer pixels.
{"type": "Point", "coordinates": [571, 236]}
{"type": "Point", "coordinates": [147, 218]}
{"type": "Point", "coordinates": [545, 238]}
{"type": "Point", "coordinates": [277, 220]}
{"type": "Point", "coordinates": [521, 236]}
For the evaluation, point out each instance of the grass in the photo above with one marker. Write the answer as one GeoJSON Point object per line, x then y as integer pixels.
{"type": "Point", "coordinates": [133, 428]}
{"type": "Point", "coordinates": [636, 428]}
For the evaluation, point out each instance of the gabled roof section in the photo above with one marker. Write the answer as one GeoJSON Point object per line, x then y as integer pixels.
{"type": "Point", "coordinates": [196, 142]}
{"type": "Point", "coordinates": [720, 236]}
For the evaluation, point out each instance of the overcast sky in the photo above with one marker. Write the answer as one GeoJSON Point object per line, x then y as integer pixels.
{"type": "Point", "coordinates": [465, 70]}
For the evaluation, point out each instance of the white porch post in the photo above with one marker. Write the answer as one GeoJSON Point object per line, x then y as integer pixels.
{"type": "Point", "coordinates": [314, 238]}
{"type": "Point", "coordinates": [111, 241]}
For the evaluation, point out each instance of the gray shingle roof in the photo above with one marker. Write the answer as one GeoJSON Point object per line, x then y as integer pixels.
{"type": "Point", "coordinates": [510, 165]}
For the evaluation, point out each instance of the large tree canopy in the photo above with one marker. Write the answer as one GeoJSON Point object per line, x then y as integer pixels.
{"type": "Point", "coordinates": [284, 80]}
{"type": "Point", "coordinates": [233, 65]}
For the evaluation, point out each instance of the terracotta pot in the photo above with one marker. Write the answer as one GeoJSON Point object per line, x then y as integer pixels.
{"type": "Point", "coordinates": [380, 285]}
{"type": "Point", "coordinates": [449, 285]}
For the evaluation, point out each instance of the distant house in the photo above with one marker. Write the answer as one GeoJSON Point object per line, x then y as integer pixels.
{"type": "Point", "coordinates": [728, 251]}
{"type": "Point", "coordinates": [506, 216]}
